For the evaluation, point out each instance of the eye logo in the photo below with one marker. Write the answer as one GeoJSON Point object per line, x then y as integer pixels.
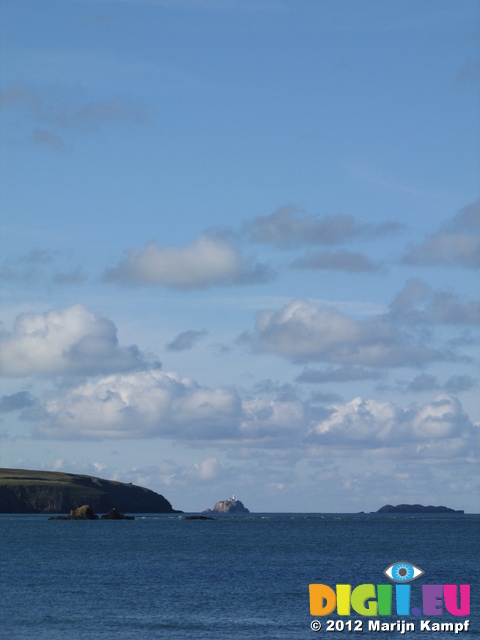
{"type": "Point", "coordinates": [403, 572]}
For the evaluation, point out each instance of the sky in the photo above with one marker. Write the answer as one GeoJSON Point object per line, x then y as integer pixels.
{"type": "Point", "coordinates": [240, 248]}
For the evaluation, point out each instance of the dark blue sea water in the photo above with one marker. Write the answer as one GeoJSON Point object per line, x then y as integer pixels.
{"type": "Point", "coordinates": [238, 577]}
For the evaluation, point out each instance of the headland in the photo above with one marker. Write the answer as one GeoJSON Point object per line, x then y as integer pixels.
{"type": "Point", "coordinates": [26, 491]}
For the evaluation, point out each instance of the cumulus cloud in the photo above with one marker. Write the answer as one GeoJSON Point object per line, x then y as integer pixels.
{"type": "Point", "coordinates": [417, 303]}
{"type": "Point", "coordinates": [341, 260]}
{"type": "Point", "coordinates": [73, 340]}
{"type": "Point", "coordinates": [305, 332]}
{"type": "Point", "coordinates": [186, 340]}
{"type": "Point", "coordinates": [154, 404]}
{"type": "Point", "coordinates": [209, 261]}
{"type": "Point", "coordinates": [140, 405]}
{"type": "Point", "coordinates": [442, 418]}
{"type": "Point", "coordinates": [288, 227]}
{"type": "Point", "coordinates": [274, 421]}
{"type": "Point", "coordinates": [361, 421]}
{"type": "Point", "coordinates": [373, 423]}
{"type": "Point", "coordinates": [457, 243]}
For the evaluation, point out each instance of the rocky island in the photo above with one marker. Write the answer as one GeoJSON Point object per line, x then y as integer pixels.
{"type": "Point", "coordinates": [228, 506]}
{"type": "Point", "coordinates": [25, 491]}
{"type": "Point", "coordinates": [416, 508]}
{"type": "Point", "coordinates": [85, 512]}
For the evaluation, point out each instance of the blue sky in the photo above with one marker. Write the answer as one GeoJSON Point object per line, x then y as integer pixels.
{"type": "Point", "coordinates": [240, 245]}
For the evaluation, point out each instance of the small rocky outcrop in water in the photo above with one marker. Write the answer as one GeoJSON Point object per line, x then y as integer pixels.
{"type": "Point", "coordinates": [229, 506]}
{"type": "Point", "coordinates": [113, 514]}
{"type": "Point", "coordinates": [85, 512]}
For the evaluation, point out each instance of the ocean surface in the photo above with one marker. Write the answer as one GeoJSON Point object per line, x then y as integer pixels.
{"type": "Point", "coordinates": [238, 577]}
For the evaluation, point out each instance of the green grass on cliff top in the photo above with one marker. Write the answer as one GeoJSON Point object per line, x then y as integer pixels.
{"type": "Point", "coordinates": [73, 484]}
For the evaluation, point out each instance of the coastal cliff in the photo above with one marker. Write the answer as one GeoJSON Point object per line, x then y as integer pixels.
{"type": "Point", "coordinates": [24, 491]}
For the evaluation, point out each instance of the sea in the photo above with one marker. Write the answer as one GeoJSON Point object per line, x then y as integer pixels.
{"type": "Point", "coordinates": [237, 577]}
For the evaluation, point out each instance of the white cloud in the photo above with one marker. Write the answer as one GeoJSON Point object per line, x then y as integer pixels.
{"type": "Point", "coordinates": [375, 424]}
{"type": "Point", "coordinates": [440, 419]}
{"type": "Point", "coordinates": [288, 227]}
{"type": "Point", "coordinates": [151, 404]}
{"type": "Point", "coordinates": [207, 469]}
{"type": "Point", "coordinates": [365, 421]}
{"type": "Point", "coordinates": [417, 303]}
{"type": "Point", "coordinates": [304, 332]}
{"type": "Point", "coordinates": [140, 405]}
{"type": "Point", "coordinates": [274, 420]}
{"type": "Point", "coordinates": [447, 247]}
{"type": "Point", "coordinates": [154, 404]}
{"type": "Point", "coordinates": [458, 243]}
{"type": "Point", "coordinates": [207, 262]}
{"type": "Point", "coordinates": [74, 340]}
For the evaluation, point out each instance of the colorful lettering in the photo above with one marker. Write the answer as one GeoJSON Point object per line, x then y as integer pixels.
{"type": "Point", "coordinates": [366, 600]}
{"type": "Point", "coordinates": [322, 600]}
{"type": "Point", "coordinates": [450, 595]}
{"type": "Point", "coordinates": [402, 596]}
{"type": "Point", "coordinates": [343, 599]}
{"type": "Point", "coordinates": [362, 594]}
{"type": "Point", "coordinates": [432, 599]}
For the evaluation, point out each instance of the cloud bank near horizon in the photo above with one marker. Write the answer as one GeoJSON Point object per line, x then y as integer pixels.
{"type": "Point", "coordinates": [164, 405]}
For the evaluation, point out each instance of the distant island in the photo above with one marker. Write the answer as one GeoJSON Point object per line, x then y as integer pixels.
{"type": "Point", "coordinates": [228, 506]}
{"type": "Point", "coordinates": [25, 491]}
{"type": "Point", "coordinates": [416, 508]}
